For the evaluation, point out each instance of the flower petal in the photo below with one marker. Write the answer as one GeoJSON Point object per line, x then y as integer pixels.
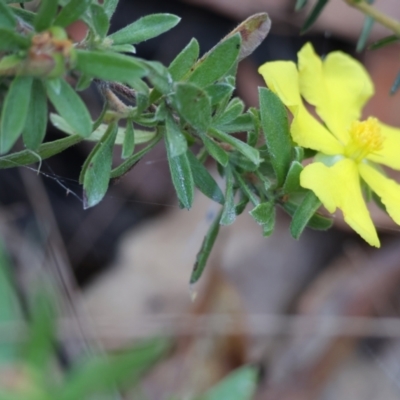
{"type": "Point", "coordinates": [282, 78]}
{"type": "Point", "coordinates": [338, 87]}
{"type": "Point", "coordinates": [308, 132]}
{"type": "Point", "coordinates": [387, 189]}
{"type": "Point", "coordinates": [389, 155]}
{"type": "Point", "coordinates": [339, 187]}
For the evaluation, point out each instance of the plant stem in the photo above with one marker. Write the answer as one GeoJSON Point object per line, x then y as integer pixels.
{"type": "Point", "coordinates": [378, 16]}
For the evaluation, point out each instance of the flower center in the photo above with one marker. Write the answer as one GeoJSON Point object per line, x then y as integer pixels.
{"type": "Point", "coordinates": [365, 138]}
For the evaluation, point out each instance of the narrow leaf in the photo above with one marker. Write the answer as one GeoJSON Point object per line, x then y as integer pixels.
{"type": "Point", "coordinates": [36, 120]}
{"type": "Point", "coordinates": [40, 346]}
{"type": "Point", "coordinates": [384, 42]}
{"type": "Point", "coordinates": [131, 161]}
{"type": "Point", "coordinates": [275, 126]}
{"type": "Point", "coordinates": [182, 63]}
{"type": "Point", "coordinates": [215, 151]}
{"type": "Point", "coordinates": [205, 250]}
{"type": "Point", "coordinates": [145, 28]}
{"type": "Point", "coordinates": [251, 153]}
{"type": "Point", "coordinates": [303, 214]}
{"type": "Point", "coordinates": [14, 112]}
{"type": "Point", "coordinates": [25, 15]}
{"type": "Point", "coordinates": [219, 91]}
{"type": "Point", "coordinates": [71, 12]}
{"type": "Point", "coordinates": [395, 85]}
{"type": "Point", "coordinates": [110, 6]}
{"type": "Point", "coordinates": [109, 66]}
{"type": "Point", "coordinates": [182, 178]}
{"type": "Point", "coordinates": [12, 41]}
{"type": "Point", "coordinates": [175, 139]}
{"type": "Point", "coordinates": [45, 14]}
{"type": "Point", "coordinates": [366, 30]}
{"type": "Point", "coordinates": [316, 11]}
{"type": "Point", "coordinates": [194, 106]}
{"type": "Point", "coordinates": [238, 385]}
{"type": "Point", "coordinates": [317, 221]}
{"type": "Point", "coordinates": [70, 106]}
{"type": "Point", "coordinates": [228, 212]}
{"type": "Point", "coordinates": [100, 20]}
{"type": "Point", "coordinates": [7, 19]}
{"type": "Point", "coordinates": [264, 214]}
{"type": "Point", "coordinates": [300, 4]}
{"type": "Point", "coordinates": [104, 373]}
{"type": "Point", "coordinates": [292, 181]}
{"type": "Point", "coordinates": [203, 180]}
{"type": "Point", "coordinates": [232, 111]}
{"type": "Point", "coordinates": [97, 168]}
{"type": "Point", "coordinates": [128, 146]}
{"type": "Point", "coordinates": [217, 62]}
{"type": "Point", "coordinates": [46, 150]}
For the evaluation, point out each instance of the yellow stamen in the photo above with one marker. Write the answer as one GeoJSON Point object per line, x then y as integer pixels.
{"type": "Point", "coordinates": [365, 138]}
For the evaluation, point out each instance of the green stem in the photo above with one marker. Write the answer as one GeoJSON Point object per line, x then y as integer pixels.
{"type": "Point", "coordinates": [378, 16]}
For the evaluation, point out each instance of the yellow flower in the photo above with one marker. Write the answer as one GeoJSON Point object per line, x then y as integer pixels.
{"type": "Point", "coordinates": [349, 150]}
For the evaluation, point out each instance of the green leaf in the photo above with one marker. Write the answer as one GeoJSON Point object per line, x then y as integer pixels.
{"type": "Point", "coordinates": [182, 178]}
{"type": "Point", "coordinates": [366, 30]}
{"type": "Point", "coordinates": [205, 249]}
{"type": "Point", "coordinates": [253, 134]}
{"type": "Point", "coordinates": [97, 168]}
{"type": "Point", "coordinates": [40, 345]}
{"type": "Point", "coordinates": [145, 28]}
{"type": "Point", "coordinates": [128, 146]}
{"type": "Point", "coordinates": [159, 77]}
{"type": "Point", "coordinates": [217, 62]}
{"type": "Point", "coordinates": [109, 66]}
{"type": "Point", "coordinates": [14, 112]}
{"type": "Point", "coordinates": [219, 91]}
{"type": "Point", "coordinates": [292, 181]}
{"type": "Point", "coordinates": [9, 308]}
{"type": "Point", "coordinates": [264, 214]}
{"type": "Point", "coordinates": [300, 4]}
{"type": "Point", "coordinates": [316, 11]}
{"type": "Point", "coordinates": [131, 161]}
{"type": "Point", "coordinates": [46, 150]}
{"type": "Point", "coordinates": [175, 139]}
{"type": "Point", "coordinates": [71, 12]}
{"type": "Point", "coordinates": [36, 120]}
{"type": "Point", "coordinates": [110, 6]}
{"type": "Point", "coordinates": [7, 19]}
{"type": "Point", "coordinates": [140, 135]}
{"type": "Point", "coordinates": [104, 373]}
{"type": "Point", "coordinates": [203, 180]}
{"type": "Point", "coordinates": [215, 151]}
{"type": "Point", "coordinates": [384, 42]}
{"type": "Point", "coordinates": [228, 212]}
{"type": "Point", "coordinates": [194, 105]}
{"type": "Point", "coordinates": [275, 125]}
{"type": "Point", "coordinates": [232, 111]}
{"type": "Point", "coordinates": [303, 214]}
{"type": "Point", "coordinates": [182, 63]}
{"type": "Point", "coordinates": [123, 48]}
{"type": "Point", "coordinates": [70, 106]}
{"type": "Point", "coordinates": [45, 15]}
{"type": "Point", "coordinates": [251, 153]}
{"type": "Point", "coordinates": [238, 385]}
{"type": "Point", "coordinates": [25, 15]}
{"type": "Point", "coordinates": [100, 20]}
{"type": "Point", "coordinates": [243, 123]}
{"type": "Point", "coordinates": [12, 41]}
{"type": "Point", "coordinates": [396, 85]}
{"type": "Point", "coordinates": [317, 221]}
